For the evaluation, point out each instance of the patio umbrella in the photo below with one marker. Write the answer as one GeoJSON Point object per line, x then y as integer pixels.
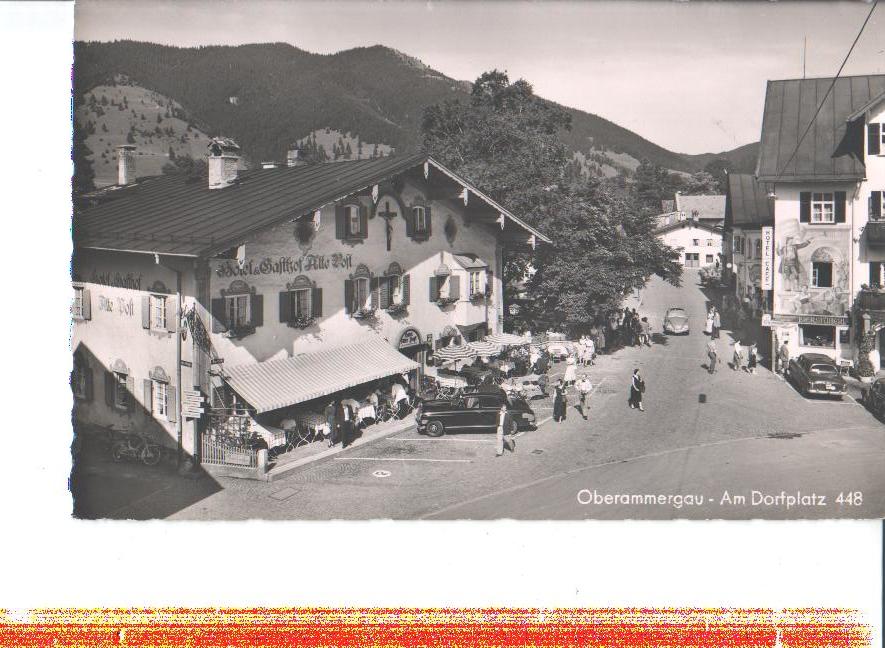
{"type": "Point", "coordinates": [484, 348]}
{"type": "Point", "coordinates": [506, 339]}
{"type": "Point", "coordinates": [455, 352]}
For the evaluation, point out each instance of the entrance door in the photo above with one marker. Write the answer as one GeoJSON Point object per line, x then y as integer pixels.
{"type": "Point", "coordinates": [692, 260]}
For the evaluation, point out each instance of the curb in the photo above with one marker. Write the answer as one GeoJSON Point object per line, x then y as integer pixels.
{"type": "Point", "coordinates": [279, 471]}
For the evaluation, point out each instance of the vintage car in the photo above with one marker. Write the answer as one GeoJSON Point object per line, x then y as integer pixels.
{"type": "Point", "coordinates": [676, 321]}
{"type": "Point", "coordinates": [474, 411]}
{"type": "Point", "coordinates": [815, 373]}
{"type": "Point", "coordinates": [874, 398]}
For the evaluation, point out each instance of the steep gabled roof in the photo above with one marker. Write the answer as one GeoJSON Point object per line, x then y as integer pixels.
{"type": "Point", "coordinates": [833, 148]}
{"type": "Point", "coordinates": [179, 216]}
{"type": "Point", "coordinates": [688, 222]}
{"type": "Point", "coordinates": [747, 204]}
{"type": "Point", "coordinates": [704, 207]}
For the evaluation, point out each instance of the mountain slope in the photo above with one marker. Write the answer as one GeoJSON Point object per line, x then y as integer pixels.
{"type": "Point", "coordinates": [266, 96]}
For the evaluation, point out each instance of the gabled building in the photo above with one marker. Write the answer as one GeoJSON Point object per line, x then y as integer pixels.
{"type": "Point", "coordinates": [829, 239]}
{"type": "Point", "coordinates": [705, 208]}
{"type": "Point", "coordinates": [699, 244]}
{"type": "Point", "coordinates": [264, 289]}
{"type": "Point", "coordinates": [747, 210]}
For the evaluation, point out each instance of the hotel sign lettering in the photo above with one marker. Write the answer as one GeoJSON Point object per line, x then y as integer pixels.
{"type": "Point", "coordinates": [285, 265]}
{"type": "Point", "coordinates": [821, 320]}
{"type": "Point", "coordinates": [767, 258]}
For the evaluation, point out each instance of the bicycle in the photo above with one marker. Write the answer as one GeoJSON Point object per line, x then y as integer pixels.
{"type": "Point", "coordinates": [137, 447]}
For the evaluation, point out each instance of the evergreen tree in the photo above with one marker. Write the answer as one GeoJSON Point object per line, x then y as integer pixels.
{"type": "Point", "coordinates": [84, 173]}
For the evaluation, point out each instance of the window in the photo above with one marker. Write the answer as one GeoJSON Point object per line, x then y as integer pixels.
{"type": "Point", "coordinates": [475, 282]}
{"type": "Point", "coordinates": [419, 217]}
{"type": "Point", "coordinates": [362, 293]}
{"type": "Point", "coordinates": [695, 242]}
{"type": "Point", "coordinates": [158, 312]}
{"type": "Point", "coordinates": [236, 308]}
{"type": "Point", "coordinates": [710, 242]}
{"type": "Point", "coordinates": [759, 249]}
{"type": "Point", "coordinates": [709, 258]}
{"type": "Point", "coordinates": [395, 282]}
{"type": "Point", "coordinates": [121, 393]}
{"type": "Point", "coordinates": [77, 306]}
{"type": "Point", "coordinates": [301, 303]}
{"type": "Point", "coordinates": [823, 208]}
{"type": "Point", "coordinates": [822, 274]}
{"type": "Point", "coordinates": [159, 390]}
{"type": "Point", "coordinates": [817, 336]}
{"type": "Point", "coordinates": [352, 214]}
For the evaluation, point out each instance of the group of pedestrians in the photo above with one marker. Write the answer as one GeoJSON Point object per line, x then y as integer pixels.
{"type": "Point", "coordinates": [747, 363]}
{"type": "Point", "coordinates": [713, 323]}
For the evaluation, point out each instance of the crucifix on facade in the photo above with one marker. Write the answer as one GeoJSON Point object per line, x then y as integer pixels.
{"type": "Point", "coordinates": [388, 217]}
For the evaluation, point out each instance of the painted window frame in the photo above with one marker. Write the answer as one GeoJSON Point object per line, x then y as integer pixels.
{"type": "Point", "coordinates": [366, 302]}
{"type": "Point", "coordinates": [696, 242]}
{"type": "Point", "coordinates": [160, 399]}
{"type": "Point", "coordinates": [232, 309]}
{"type": "Point", "coordinates": [77, 303]}
{"type": "Point", "coordinates": [306, 294]}
{"type": "Point", "coordinates": [159, 316]}
{"type": "Point", "coordinates": [121, 391]}
{"type": "Point", "coordinates": [420, 224]}
{"type": "Point", "coordinates": [351, 216]}
{"type": "Point", "coordinates": [820, 200]}
{"type": "Point", "coordinates": [475, 287]}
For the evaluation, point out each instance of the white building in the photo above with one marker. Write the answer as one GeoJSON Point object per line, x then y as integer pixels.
{"type": "Point", "coordinates": [699, 244]}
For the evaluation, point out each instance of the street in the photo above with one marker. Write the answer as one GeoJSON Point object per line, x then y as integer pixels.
{"type": "Point", "coordinates": [731, 445]}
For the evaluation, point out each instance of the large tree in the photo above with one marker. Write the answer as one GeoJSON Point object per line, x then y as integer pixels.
{"type": "Point", "coordinates": [505, 140]}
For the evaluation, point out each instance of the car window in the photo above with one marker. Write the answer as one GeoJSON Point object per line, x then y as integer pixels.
{"type": "Point", "coordinates": [824, 369]}
{"type": "Point", "coordinates": [471, 402]}
{"type": "Point", "coordinates": [677, 312]}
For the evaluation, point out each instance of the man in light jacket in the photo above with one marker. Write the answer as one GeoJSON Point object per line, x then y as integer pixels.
{"type": "Point", "coordinates": [505, 429]}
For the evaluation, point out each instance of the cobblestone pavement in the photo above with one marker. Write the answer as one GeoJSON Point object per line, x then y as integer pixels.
{"type": "Point", "coordinates": [703, 443]}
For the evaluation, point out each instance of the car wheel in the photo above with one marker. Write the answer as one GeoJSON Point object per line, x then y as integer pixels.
{"type": "Point", "coordinates": [434, 429]}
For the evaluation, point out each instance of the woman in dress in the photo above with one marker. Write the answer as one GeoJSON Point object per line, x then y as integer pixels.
{"type": "Point", "coordinates": [637, 386]}
{"type": "Point", "coordinates": [752, 359]}
{"type": "Point", "coordinates": [571, 370]}
{"type": "Point", "coordinates": [708, 327]}
{"type": "Point", "coordinates": [717, 323]}
{"type": "Point", "coordinates": [559, 402]}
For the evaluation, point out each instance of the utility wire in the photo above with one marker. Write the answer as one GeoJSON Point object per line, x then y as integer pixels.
{"type": "Point", "coordinates": [829, 90]}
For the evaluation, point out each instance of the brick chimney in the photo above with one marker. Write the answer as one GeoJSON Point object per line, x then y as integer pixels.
{"type": "Point", "coordinates": [125, 164]}
{"type": "Point", "coordinates": [295, 156]}
{"type": "Point", "coordinates": [224, 154]}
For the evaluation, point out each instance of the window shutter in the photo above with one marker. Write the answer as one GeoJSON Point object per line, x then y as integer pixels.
{"type": "Point", "coordinates": [840, 206]}
{"type": "Point", "coordinates": [384, 291]}
{"type": "Point", "coordinates": [130, 393]}
{"type": "Point", "coordinates": [410, 222]}
{"type": "Point", "coordinates": [348, 296]}
{"type": "Point", "coordinates": [340, 223]}
{"type": "Point", "coordinates": [875, 210]}
{"type": "Point", "coordinates": [88, 390]}
{"type": "Point", "coordinates": [874, 139]}
{"type": "Point", "coordinates": [285, 306]}
{"type": "Point", "coordinates": [148, 397]}
{"type": "Point", "coordinates": [171, 403]}
{"type": "Point", "coordinates": [455, 286]}
{"type": "Point", "coordinates": [428, 221]}
{"type": "Point", "coordinates": [875, 269]}
{"type": "Point", "coordinates": [374, 289]}
{"type": "Point", "coordinates": [219, 320]}
{"type": "Point", "coordinates": [86, 297]}
{"type": "Point", "coordinates": [804, 209]}
{"type": "Point", "coordinates": [256, 310]}
{"type": "Point", "coordinates": [171, 314]}
{"type": "Point", "coordinates": [433, 291]}
{"type": "Point", "coordinates": [109, 380]}
{"type": "Point", "coordinates": [145, 311]}
{"type": "Point", "coordinates": [490, 282]}
{"type": "Point", "coordinates": [406, 289]}
{"type": "Point", "coordinates": [364, 222]}
{"type": "Point", "coordinates": [316, 302]}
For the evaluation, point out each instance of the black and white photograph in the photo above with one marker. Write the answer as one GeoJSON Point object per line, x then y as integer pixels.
{"type": "Point", "coordinates": [477, 261]}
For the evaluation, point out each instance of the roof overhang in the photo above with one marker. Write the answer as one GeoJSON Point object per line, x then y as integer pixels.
{"type": "Point", "coordinates": [811, 178]}
{"type": "Point", "coordinates": [863, 110]}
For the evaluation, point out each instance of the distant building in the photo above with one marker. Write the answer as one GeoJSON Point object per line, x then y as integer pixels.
{"type": "Point", "coordinates": [747, 210]}
{"type": "Point", "coordinates": [699, 244]}
{"type": "Point", "coordinates": [709, 209]}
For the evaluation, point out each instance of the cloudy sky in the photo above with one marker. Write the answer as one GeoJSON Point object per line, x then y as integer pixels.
{"type": "Point", "coordinates": [689, 76]}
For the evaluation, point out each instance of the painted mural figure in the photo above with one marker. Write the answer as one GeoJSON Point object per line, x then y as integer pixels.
{"type": "Point", "coordinates": [790, 268]}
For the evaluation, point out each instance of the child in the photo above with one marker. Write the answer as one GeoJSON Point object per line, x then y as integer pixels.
{"type": "Point", "coordinates": [751, 360]}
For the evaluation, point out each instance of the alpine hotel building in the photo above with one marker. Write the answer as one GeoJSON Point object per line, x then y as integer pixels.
{"type": "Point", "coordinates": [272, 287]}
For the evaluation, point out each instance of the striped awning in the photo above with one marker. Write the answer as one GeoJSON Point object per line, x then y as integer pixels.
{"type": "Point", "coordinates": [274, 384]}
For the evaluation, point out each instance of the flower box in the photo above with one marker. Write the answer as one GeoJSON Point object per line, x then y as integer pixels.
{"type": "Point", "coordinates": [477, 296]}
{"type": "Point", "coordinates": [301, 322]}
{"type": "Point", "coordinates": [397, 309]}
{"type": "Point", "coordinates": [239, 332]}
{"type": "Point", "coordinates": [445, 301]}
{"type": "Point", "coordinates": [364, 313]}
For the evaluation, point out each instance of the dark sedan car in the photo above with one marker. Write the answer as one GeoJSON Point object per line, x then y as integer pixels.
{"type": "Point", "coordinates": [874, 398]}
{"type": "Point", "coordinates": [676, 321]}
{"type": "Point", "coordinates": [472, 412]}
{"type": "Point", "coordinates": [815, 373]}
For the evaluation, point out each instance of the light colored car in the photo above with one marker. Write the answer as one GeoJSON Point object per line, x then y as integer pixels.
{"type": "Point", "coordinates": [676, 321]}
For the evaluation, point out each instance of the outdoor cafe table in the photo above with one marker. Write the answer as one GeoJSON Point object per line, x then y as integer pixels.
{"type": "Point", "coordinates": [366, 411]}
{"type": "Point", "coordinates": [314, 421]}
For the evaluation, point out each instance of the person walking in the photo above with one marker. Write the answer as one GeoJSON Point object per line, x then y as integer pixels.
{"type": "Point", "coordinates": [560, 403]}
{"type": "Point", "coordinates": [332, 422]}
{"type": "Point", "coordinates": [542, 384]}
{"type": "Point", "coordinates": [712, 356]}
{"type": "Point", "coordinates": [590, 351]}
{"type": "Point", "coordinates": [601, 340]}
{"type": "Point", "coordinates": [345, 424]}
{"type": "Point", "coordinates": [571, 370]}
{"type": "Point", "coordinates": [646, 332]}
{"type": "Point", "coordinates": [584, 389]}
{"type": "Point", "coordinates": [783, 356]}
{"type": "Point", "coordinates": [503, 436]}
{"type": "Point", "coordinates": [637, 387]}
{"type": "Point", "coordinates": [717, 323]}
{"type": "Point", "coordinates": [708, 325]}
{"type": "Point", "coordinates": [752, 359]}
{"type": "Point", "coordinates": [738, 359]}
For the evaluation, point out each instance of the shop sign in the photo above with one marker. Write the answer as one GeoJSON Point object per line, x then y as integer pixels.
{"type": "Point", "coordinates": [284, 265]}
{"type": "Point", "coordinates": [821, 320]}
{"type": "Point", "coordinates": [767, 258]}
{"type": "Point", "coordinates": [121, 306]}
{"type": "Point", "coordinates": [766, 320]}
{"type": "Point", "coordinates": [191, 403]}
{"type": "Point", "coordinates": [116, 280]}
{"type": "Point", "coordinates": [409, 338]}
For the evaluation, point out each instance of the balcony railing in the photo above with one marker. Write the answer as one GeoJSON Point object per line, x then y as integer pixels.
{"type": "Point", "coordinates": [876, 232]}
{"type": "Point", "coordinates": [871, 300]}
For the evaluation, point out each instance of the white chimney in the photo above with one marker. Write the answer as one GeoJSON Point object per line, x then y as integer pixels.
{"type": "Point", "coordinates": [295, 156]}
{"type": "Point", "coordinates": [224, 154]}
{"type": "Point", "coordinates": [125, 164]}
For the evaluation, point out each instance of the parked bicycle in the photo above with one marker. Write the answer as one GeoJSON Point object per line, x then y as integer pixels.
{"type": "Point", "coordinates": [137, 448]}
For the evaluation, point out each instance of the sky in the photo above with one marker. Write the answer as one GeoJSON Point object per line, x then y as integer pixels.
{"type": "Point", "coordinates": [689, 76]}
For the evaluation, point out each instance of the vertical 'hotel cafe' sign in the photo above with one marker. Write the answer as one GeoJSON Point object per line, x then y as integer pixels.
{"type": "Point", "coordinates": [767, 258]}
